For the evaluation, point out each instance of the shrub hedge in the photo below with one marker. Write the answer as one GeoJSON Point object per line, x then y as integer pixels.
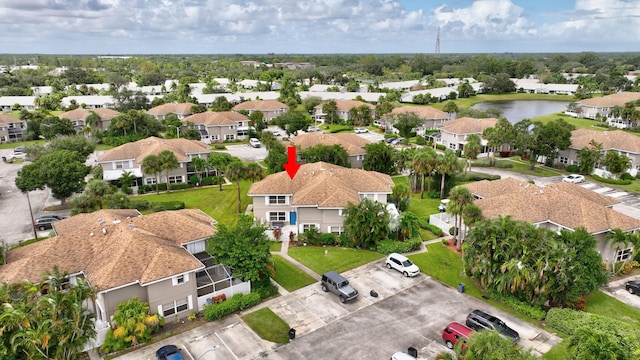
{"type": "Point", "coordinates": [393, 246]}
{"type": "Point", "coordinates": [611, 181]}
{"type": "Point", "coordinates": [237, 302]}
{"type": "Point", "coordinates": [573, 168]}
{"type": "Point", "coordinates": [529, 310]}
{"type": "Point", "coordinates": [475, 176]}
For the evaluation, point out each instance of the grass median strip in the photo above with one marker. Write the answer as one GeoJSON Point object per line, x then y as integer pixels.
{"type": "Point", "coordinates": [335, 258]}
{"type": "Point", "coordinates": [289, 276]}
{"type": "Point", "coordinates": [268, 325]}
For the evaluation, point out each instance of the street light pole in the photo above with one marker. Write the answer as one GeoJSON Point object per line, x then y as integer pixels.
{"type": "Point", "coordinates": [35, 232]}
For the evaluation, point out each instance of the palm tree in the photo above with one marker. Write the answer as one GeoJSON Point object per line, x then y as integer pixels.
{"type": "Point", "coordinates": [616, 163]}
{"type": "Point", "coordinates": [220, 161]}
{"type": "Point", "coordinates": [472, 148]}
{"type": "Point", "coordinates": [126, 179]}
{"type": "Point", "coordinates": [408, 226]}
{"type": "Point", "coordinates": [96, 189]}
{"type": "Point", "coordinates": [151, 165]}
{"type": "Point", "coordinates": [254, 171]}
{"type": "Point", "coordinates": [236, 171]}
{"type": "Point", "coordinates": [168, 162]}
{"type": "Point", "coordinates": [589, 156]}
{"type": "Point", "coordinates": [460, 198]}
{"type": "Point", "coordinates": [422, 164]}
{"type": "Point", "coordinates": [199, 165]}
{"type": "Point", "coordinates": [447, 164]}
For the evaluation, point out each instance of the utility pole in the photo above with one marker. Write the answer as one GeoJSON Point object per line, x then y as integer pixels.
{"type": "Point", "coordinates": [438, 42]}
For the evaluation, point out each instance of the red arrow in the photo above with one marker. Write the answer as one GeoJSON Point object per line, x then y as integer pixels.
{"type": "Point", "coordinates": [291, 166]}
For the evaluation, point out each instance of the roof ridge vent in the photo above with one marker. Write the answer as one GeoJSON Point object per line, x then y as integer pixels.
{"type": "Point", "coordinates": [104, 231]}
{"type": "Point", "coordinates": [101, 222]}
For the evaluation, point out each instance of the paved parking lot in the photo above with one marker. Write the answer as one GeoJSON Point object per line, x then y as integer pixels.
{"type": "Point", "coordinates": [409, 312]}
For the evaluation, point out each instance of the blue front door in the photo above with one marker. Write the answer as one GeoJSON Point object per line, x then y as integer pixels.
{"type": "Point", "coordinates": [292, 217]}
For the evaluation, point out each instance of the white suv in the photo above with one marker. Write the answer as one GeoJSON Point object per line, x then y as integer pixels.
{"type": "Point", "coordinates": [254, 142]}
{"type": "Point", "coordinates": [402, 264]}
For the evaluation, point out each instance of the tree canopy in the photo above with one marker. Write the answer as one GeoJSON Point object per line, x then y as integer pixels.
{"type": "Point", "coordinates": [366, 223]}
{"type": "Point", "coordinates": [380, 157]}
{"type": "Point", "coordinates": [333, 154]}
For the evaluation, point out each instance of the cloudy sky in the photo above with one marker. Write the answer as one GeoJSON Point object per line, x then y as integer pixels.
{"type": "Point", "coordinates": [317, 26]}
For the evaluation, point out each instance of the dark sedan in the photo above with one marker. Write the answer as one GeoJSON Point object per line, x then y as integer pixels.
{"type": "Point", "coordinates": [169, 352]}
{"type": "Point", "coordinates": [633, 287]}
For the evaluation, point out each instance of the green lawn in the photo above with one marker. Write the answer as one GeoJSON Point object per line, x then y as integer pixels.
{"type": "Point", "coordinates": [605, 305]}
{"type": "Point", "coordinates": [337, 258]}
{"type": "Point", "coordinates": [222, 206]}
{"type": "Point", "coordinates": [22, 143]}
{"type": "Point", "coordinates": [289, 276]}
{"type": "Point", "coordinates": [275, 246]}
{"type": "Point", "coordinates": [268, 325]}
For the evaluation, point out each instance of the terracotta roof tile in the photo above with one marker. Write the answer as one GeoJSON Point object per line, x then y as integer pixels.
{"type": "Point", "coordinates": [324, 185]}
{"type": "Point", "coordinates": [5, 119]}
{"type": "Point", "coordinates": [618, 99]}
{"type": "Point", "coordinates": [569, 205]}
{"type": "Point", "coordinates": [141, 249]}
{"type": "Point", "coordinates": [175, 108]}
{"type": "Point", "coordinates": [216, 118]}
{"type": "Point", "coordinates": [424, 112]}
{"type": "Point", "coordinates": [467, 125]}
{"type": "Point", "coordinates": [81, 114]}
{"type": "Point", "coordinates": [353, 143]}
{"type": "Point", "coordinates": [616, 139]}
{"type": "Point", "coordinates": [262, 105]}
{"type": "Point", "coordinates": [152, 145]}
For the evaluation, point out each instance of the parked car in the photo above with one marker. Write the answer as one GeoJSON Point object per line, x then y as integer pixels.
{"type": "Point", "coordinates": [361, 130]}
{"type": "Point", "coordinates": [402, 356]}
{"type": "Point", "coordinates": [633, 287]}
{"type": "Point", "coordinates": [46, 222]}
{"type": "Point", "coordinates": [455, 332]}
{"type": "Point", "coordinates": [390, 140]}
{"type": "Point", "coordinates": [573, 178]}
{"type": "Point", "coordinates": [312, 129]}
{"type": "Point", "coordinates": [337, 284]}
{"type": "Point", "coordinates": [442, 207]}
{"type": "Point", "coordinates": [169, 352]}
{"type": "Point", "coordinates": [397, 141]}
{"type": "Point", "coordinates": [402, 264]}
{"type": "Point", "coordinates": [480, 320]}
{"type": "Point", "coordinates": [254, 142]}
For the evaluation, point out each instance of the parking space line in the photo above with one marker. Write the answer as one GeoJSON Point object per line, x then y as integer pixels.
{"type": "Point", "coordinates": [225, 345]}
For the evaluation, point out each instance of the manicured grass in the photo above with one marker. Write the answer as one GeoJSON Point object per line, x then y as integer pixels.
{"type": "Point", "coordinates": [558, 352]}
{"type": "Point", "coordinates": [275, 246]}
{"type": "Point", "coordinates": [103, 147]}
{"type": "Point", "coordinates": [579, 123]}
{"type": "Point", "coordinates": [337, 258]}
{"type": "Point", "coordinates": [289, 276]}
{"type": "Point", "coordinates": [268, 325]}
{"type": "Point", "coordinates": [605, 305]}
{"type": "Point", "coordinates": [22, 143]}
{"type": "Point", "coordinates": [523, 167]}
{"type": "Point", "coordinates": [222, 206]}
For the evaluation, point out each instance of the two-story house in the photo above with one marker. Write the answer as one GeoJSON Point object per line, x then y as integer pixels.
{"type": "Point", "coordinates": [216, 127]}
{"type": "Point", "coordinates": [270, 109]}
{"type": "Point", "coordinates": [601, 106]}
{"type": "Point", "coordinates": [160, 258]}
{"type": "Point", "coordinates": [431, 117]}
{"type": "Point", "coordinates": [343, 110]}
{"type": "Point", "coordinates": [454, 133]}
{"type": "Point", "coordinates": [79, 116]}
{"type": "Point", "coordinates": [316, 196]}
{"type": "Point", "coordinates": [11, 129]}
{"type": "Point", "coordinates": [352, 143]}
{"type": "Point", "coordinates": [181, 110]}
{"type": "Point", "coordinates": [561, 206]}
{"type": "Point", "coordinates": [623, 142]}
{"type": "Point", "coordinates": [129, 157]}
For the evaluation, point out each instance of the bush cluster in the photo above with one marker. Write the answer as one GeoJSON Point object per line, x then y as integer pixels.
{"type": "Point", "coordinates": [611, 181]}
{"type": "Point", "coordinates": [167, 205]}
{"type": "Point", "coordinates": [475, 176]}
{"type": "Point", "coordinates": [337, 129]}
{"type": "Point", "coordinates": [522, 307]}
{"type": "Point", "coordinates": [573, 169]}
{"type": "Point", "coordinates": [393, 246]}
{"type": "Point", "coordinates": [626, 176]}
{"type": "Point", "coordinates": [237, 302]}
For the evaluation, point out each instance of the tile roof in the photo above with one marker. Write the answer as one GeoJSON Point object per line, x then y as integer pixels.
{"type": "Point", "coordinates": [175, 108]}
{"type": "Point", "coordinates": [324, 185]}
{"type": "Point", "coordinates": [81, 114]}
{"type": "Point", "coordinates": [353, 143]}
{"type": "Point", "coordinates": [346, 105]}
{"type": "Point", "coordinates": [216, 118]}
{"type": "Point", "coordinates": [262, 105]}
{"type": "Point", "coordinates": [6, 119]}
{"type": "Point", "coordinates": [616, 139]}
{"type": "Point", "coordinates": [467, 125]}
{"type": "Point", "coordinates": [140, 249]}
{"type": "Point", "coordinates": [569, 205]}
{"type": "Point", "coordinates": [618, 99]}
{"type": "Point", "coordinates": [424, 112]}
{"type": "Point", "coordinates": [152, 145]}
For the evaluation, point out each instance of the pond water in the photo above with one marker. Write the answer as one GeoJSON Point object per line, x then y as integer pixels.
{"type": "Point", "coordinates": [517, 110]}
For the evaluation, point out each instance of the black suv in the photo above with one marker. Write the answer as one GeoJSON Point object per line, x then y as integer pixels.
{"type": "Point", "coordinates": [45, 222]}
{"type": "Point", "coordinates": [480, 320]}
{"type": "Point", "coordinates": [337, 284]}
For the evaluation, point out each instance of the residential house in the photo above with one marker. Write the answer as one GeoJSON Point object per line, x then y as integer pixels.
{"type": "Point", "coordinates": [454, 133]}
{"type": "Point", "coordinates": [352, 143]}
{"type": "Point", "coordinates": [620, 141]}
{"type": "Point", "coordinates": [236, 98]}
{"type": "Point", "coordinates": [216, 127]}
{"type": "Point", "coordinates": [89, 101]}
{"type": "Point", "coordinates": [11, 129]}
{"type": "Point", "coordinates": [79, 116]}
{"type": "Point", "coordinates": [369, 97]}
{"type": "Point", "coordinates": [181, 110]}
{"type": "Point", "coordinates": [431, 117]}
{"type": "Point", "coordinates": [160, 258]}
{"type": "Point", "coordinates": [9, 103]}
{"type": "Point", "coordinates": [129, 157]}
{"type": "Point", "coordinates": [561, 206]}
{"type": "Point", "coordinates": [535, 86]}
{"type": "Point", "coordinates": [270, 109]}
{"type": "Point", "coordinates": [600, 107]}
{"type": "Point", "coordinates": [316, 196]}
{"type": "Point", "coordinates": [343, 110]}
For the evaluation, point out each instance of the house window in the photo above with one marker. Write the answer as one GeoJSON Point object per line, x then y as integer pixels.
{"type": "Point", "coordinates": [342, 213]}
{"type": "Point", "coordinates": [118, 165]}
{"type": "Point", "coordinates": [175, 179]}
{"type": "Point", "coordinates": [564, 160]}
{"type": "Point", "coordinates": [150, 181]}
{"type": "Point", "coordinates": [215, 137]}
{"type": "Point", "coordinates": [623, 255]}
{"type": "Point", "coordinates": [277, 200]}
{"type": "Point", "coordinates": [307, 227]}
{"type": "Point", "coordinates": [452, 146]}
{"type": "Point", "coordinates": [278, 216]}
{"type": "Point", "coordinates": [175, 307]}
{"type": "Point", "coordinates": [359, 157]}
{"type": "Point", "coordinates": [180, 279]}
{"type": "Point", "coordinates": [336, 230]}
{"type": "Point", "coordinates": [229, 137]}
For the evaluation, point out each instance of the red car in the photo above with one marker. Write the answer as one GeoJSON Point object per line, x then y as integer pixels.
{"type": "Point", "coordinates": [455, 332]}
